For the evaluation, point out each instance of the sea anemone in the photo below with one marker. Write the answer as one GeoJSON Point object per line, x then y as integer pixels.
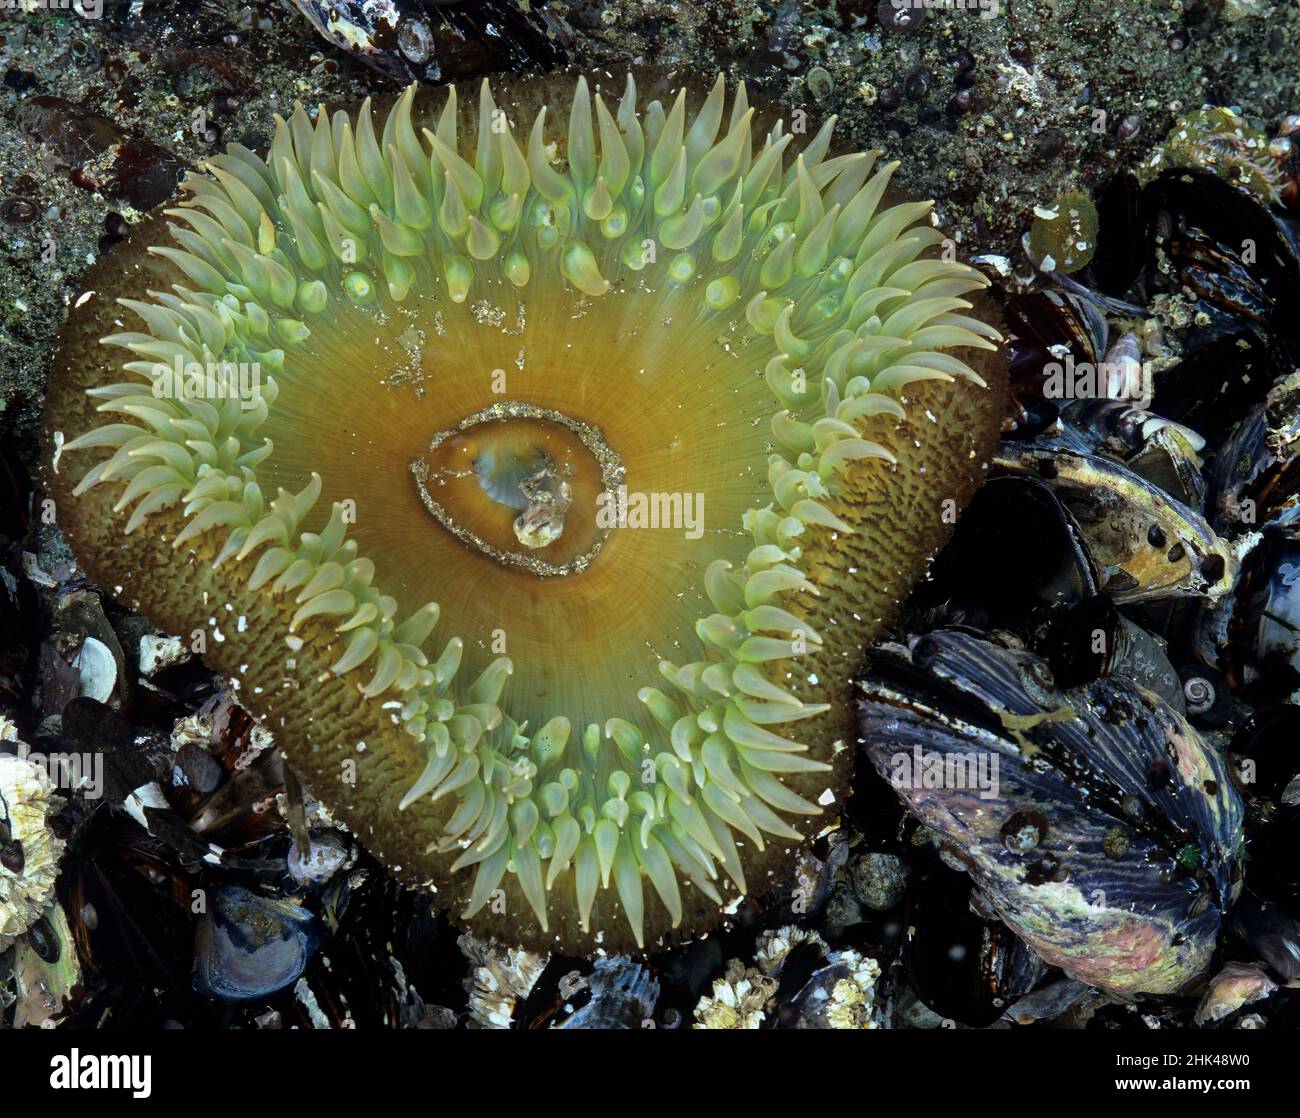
{"type": "Point", "coordinates": [1063, 236]}
{"type": "Point", "coordinates": [1219, 141]}
{"type": "Point", "coordinates": [660, 419]}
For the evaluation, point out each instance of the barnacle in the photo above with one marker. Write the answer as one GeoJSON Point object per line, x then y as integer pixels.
{"type": "Point", "coordinates": [499, 979]}
{"type": "Point", "coordinates": [852, 998]}
{"type": "Point", "coordinates": [738, 1001]}
{"type": "Point", "coordinates": [29, 849]}
{"type": "Point", "coordinates": [487, 351]}
{"type": "Point", "coordinates": [838, 994]}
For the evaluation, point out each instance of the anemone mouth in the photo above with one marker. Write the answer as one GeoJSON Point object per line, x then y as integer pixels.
{"type": "Point", "coordinates": [530, 466]}
{"type": "Point", "coordinates": [653, 421]}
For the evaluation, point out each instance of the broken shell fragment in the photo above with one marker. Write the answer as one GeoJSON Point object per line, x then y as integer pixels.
{"type": "Point", "coordinates": [46, 971]}
{"type": "Point", "coordinates": [500, 980]}
{"type": "Point", "coordinates": [623, 996]}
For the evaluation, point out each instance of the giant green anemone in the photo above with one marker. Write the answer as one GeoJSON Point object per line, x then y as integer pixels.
{"type": "Point", "coordinates": [579, 720]}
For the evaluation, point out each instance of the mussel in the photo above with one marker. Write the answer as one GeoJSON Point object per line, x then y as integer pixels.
{"type": "Point", "coordinates": [1095, 822]}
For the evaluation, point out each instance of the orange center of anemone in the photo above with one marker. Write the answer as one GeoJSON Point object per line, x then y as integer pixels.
{"type": "Point", "coordinates": [657, 423]}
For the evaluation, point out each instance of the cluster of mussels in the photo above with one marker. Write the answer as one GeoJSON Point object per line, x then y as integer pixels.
{"type": "Point", "coordinates": [1095, 717]}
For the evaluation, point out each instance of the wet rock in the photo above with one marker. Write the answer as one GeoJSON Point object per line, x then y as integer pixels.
{"type": "Point", "coordinates": [843, 909]}
{"type": "Point", "coordinates": [97, 151]}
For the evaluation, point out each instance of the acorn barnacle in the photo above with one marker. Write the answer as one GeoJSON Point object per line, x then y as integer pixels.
{"type": "Point", "coordinates": [29, 849]}
{"type": "Point", "coordinates": [538, 471]}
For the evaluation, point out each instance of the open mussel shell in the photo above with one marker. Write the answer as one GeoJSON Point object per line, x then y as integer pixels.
{"type": "Point", "coordinates": [1253, 638]}
{"type": "Point", "coordinates": [1236, 256]}
{"type": "Point", "coordinates": [1272, 933]}
{"type": "Point", "coordinates": [1093, 639]}
{"type": "Point", "coordinates": [1219, 380]}
{"type": "Point", "coordinates": [1216, 244]}
{"type": "Point", "coordinates": [1190, 231]}
{"type": "Point", "coordinates": [1121, 242]}
{"type": "Point", "coordinates": [1228, 269]}
{"type": "Point", "coordinates": [1095, 822]}
{"type": "Point", "coordinates": [1146, 544]}
{"type": "Point", "coordinates": [976, 580]}
{"type": "Point", "coordinates": [964, 967]}
{"type": "Point", "coordinates": [1271, 620]}
{"type": "Point", "coordinates": [1254, 478]}
{"type": "Point", "coordinates": [1268, 748]}
{"type": "Point", "coordinates": [1168, 459]}
{"type": "Point", "coordinates": [1043, 321]}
